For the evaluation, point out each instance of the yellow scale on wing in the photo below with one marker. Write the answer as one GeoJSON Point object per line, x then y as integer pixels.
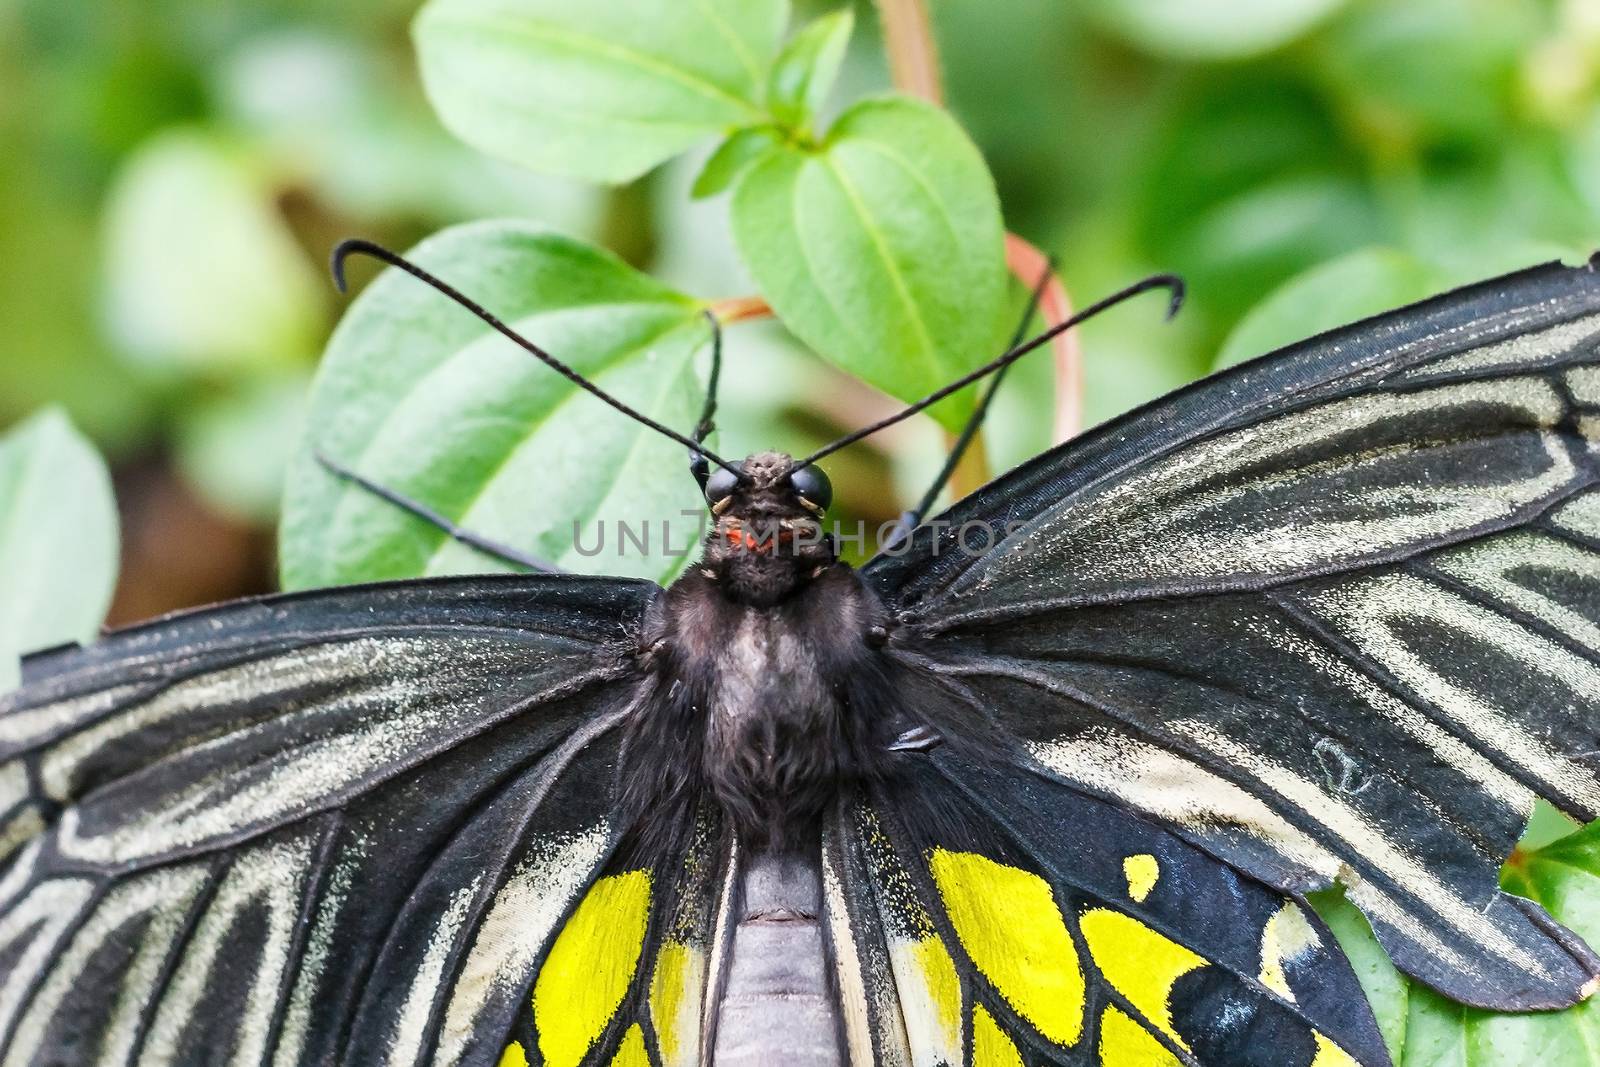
{"type": "Point", "coordinates": [631, 1052]}
{"type": "Point", "coordinates": [1141, 963]}
{"type": "Point", "coordinates": [589, 969]}
{"type": "Point", "coordinates": [1286, 936]}
{"type": "Point", "coordinates": [931, 994]}
{"type": "Point", "coordinates": [675, 1003]}
{"type": "Point", "coordinates": [1126, 1043]}
{"type": "Point", "coordinates": [990, 1045]}
{"type": "Point", "coordinates": [1142, 872]}
{"type": "Point", "coordinates": [1331, 1055]}
{"type": "Point", "coordinates": [1009, 924]}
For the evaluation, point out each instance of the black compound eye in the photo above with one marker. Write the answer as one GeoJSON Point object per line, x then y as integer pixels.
{"type": "Point", "coordinates": [813, 486]}
{"type": "Point", "coordinates": [720, 485]}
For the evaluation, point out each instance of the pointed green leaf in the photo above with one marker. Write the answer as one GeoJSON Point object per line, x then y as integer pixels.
{"type": "Point", "coordinates": [603, 91]}
{"type": "Point", "coordinates": [733, 157]}
{"type": "Point", "coordinates": [806, 68]}
{"type": "Point", "coordinates": [420, 396]}
{"type": "Point", "coordinates": [882, 248]}
{"type": "Point", "coordinates": [58, 539]}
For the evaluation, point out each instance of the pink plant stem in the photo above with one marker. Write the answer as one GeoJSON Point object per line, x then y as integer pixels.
{"type": "Point", "coordinates": [1027, 263]}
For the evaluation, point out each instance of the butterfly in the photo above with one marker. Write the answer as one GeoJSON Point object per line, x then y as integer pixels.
{"type": "Point", "coordinates": [1045, 783]}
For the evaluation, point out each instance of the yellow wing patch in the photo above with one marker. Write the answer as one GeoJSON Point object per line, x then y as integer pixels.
{"type": "Point", "coordinates": [1124, 1043]}
{"type": "Point", "coordinates": [514, 1056]}
{"type": "Point", "coordinates": [1142, 872]}
{"type": "Point", "coordinates": [930, 996]}
{"type": "Point", "coordinates": [1331, 1055]}
{"type": "Point", "coordinates": [1009, 924]}
{"type": "Point", "coordinates": [1286, 935]}
{"type": "Point", "coordinates": [631, 1052]}
{"type": "Point", "coordinates": [990, 1045]}
{"type": "Point", "coordinates": [590, 967]}
{"type": "Point", "coordinates": [1141, 963]}
{"type": "Point", "coordinates": [675, 1002]}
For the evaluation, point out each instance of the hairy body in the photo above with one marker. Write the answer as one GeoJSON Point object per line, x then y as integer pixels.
{"type": "Point", "coordinates": [769, 696]}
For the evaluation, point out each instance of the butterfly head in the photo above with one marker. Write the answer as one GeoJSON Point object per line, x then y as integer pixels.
{"type": "Point", "coordinates": [767, 537]}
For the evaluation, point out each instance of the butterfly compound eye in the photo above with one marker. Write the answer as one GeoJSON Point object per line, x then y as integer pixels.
{"type": "Point", "coordinates": [813, 486]}
{"type": "Point", "coordinates": [720, 485]}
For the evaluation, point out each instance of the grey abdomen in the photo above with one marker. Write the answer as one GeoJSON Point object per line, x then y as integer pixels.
{"type": "Point", "coordinates": [778, 1006]}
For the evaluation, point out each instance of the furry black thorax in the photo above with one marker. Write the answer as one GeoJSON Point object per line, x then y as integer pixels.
{"type": "Point", "coordinates": [769, 691]}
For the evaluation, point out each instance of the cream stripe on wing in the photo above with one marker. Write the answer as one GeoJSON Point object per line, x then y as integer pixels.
{"type": "Point", "coordinates": [1450, 749]}
{"type": "Point", "coordinates": [847, 966]}
{"type": "Point", "coordinates": [1159, 523]}
{"type": "Point", "coordinates": [1488, 567]}
{"type": "Point", "coordinates": [29, 933]}
{"type": "Point", "coordinates": [1366, 611]}
{"type": "Point", "coordinates": [1580, 515]}
{"type": "Point", "coordinates": [295, 1028]}
{"type": "Point", "coordinates": [163, 898]}
{"type": "Point", "coordinates": [1363, 838]}
{"type": "Point", "coordinates": [268, 880]}
{"type": "Point", "coordinates": [1524, 348]}
{"type": "Point", "coordinates": [1584, 382]}
{"type": "Point", "coordinates": [27, 726]}
{"type": "Point", "coordinates": [1164, 784]}
{"type": "Point", "coordinates": [410, 1031]}
{"type": "Point", "coordinates": [518, 924]}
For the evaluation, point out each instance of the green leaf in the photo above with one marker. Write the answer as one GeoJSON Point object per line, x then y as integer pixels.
{"type": "Point", "coordinates": [202, 273]}
{"type": "Point", "coordinates": [805, 70]}
{"type": "Point", "coordinates": [733, 157]}
{"type": "Point", "coordinates": [420, 396]}
{"type": "Point", "coordinates": [882, 248]}
{"type": "Point", "coordinates": [58, 539]}
{"type": "Point", "coordinates": [602, 91]}
{"type": "Point", "coordinates": [1343, 290]}
{"type": "Point", "coordinates": [1423, 1029]}
{"type": "Point", "coordinates": [1211, 29]}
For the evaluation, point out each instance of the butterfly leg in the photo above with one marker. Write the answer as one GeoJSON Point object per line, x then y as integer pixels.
{"type": "Point", "coordinates": [699, 466]}
{"type": "Point", "coordinates": [908, 520]}
{"type": "Point", "coordinates": [917, 739]}
{"type": "Point", "coordinates": [483, 544]}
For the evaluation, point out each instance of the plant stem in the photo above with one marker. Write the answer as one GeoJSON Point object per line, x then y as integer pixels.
{"type": "Point", "coordinates": [1027, 263]}
{"type": "Point", "coordinates": [913, 53]}
{"type": "Point", "coordinates": [914, 68]}
{"type": "Point", "coordinates": [740, 309]}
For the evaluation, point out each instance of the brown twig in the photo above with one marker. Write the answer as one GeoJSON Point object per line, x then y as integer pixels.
{"type": "Point", "coordinates": [1027, 263]}
{"type": "Point", "coordinates": [913, 53]}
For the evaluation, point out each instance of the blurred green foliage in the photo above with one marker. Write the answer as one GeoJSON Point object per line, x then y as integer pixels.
{"type": "Point", "coordinates": [176, 170]}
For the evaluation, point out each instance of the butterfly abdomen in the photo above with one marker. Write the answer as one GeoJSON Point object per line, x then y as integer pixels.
{"type": "Point", "coordinates": [778, 1000]}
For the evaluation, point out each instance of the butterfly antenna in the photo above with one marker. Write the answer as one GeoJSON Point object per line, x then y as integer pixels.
{"type": "Point", "coordinates": [1170, 282]}
{"type": "Point", "coordinates": [969, 432]}
{"type": "Point", "coordinates": [702, 429]}
{"type": "Point", "coordinates": [354, 245]}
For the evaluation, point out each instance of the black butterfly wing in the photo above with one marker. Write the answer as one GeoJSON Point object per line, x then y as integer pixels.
{"type": "Point", "coordinates": [973, 930]}
{"type": "Point", "coordinates": [340, 827]}
{"type": "Point", "coordinates": [1333, 613]}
